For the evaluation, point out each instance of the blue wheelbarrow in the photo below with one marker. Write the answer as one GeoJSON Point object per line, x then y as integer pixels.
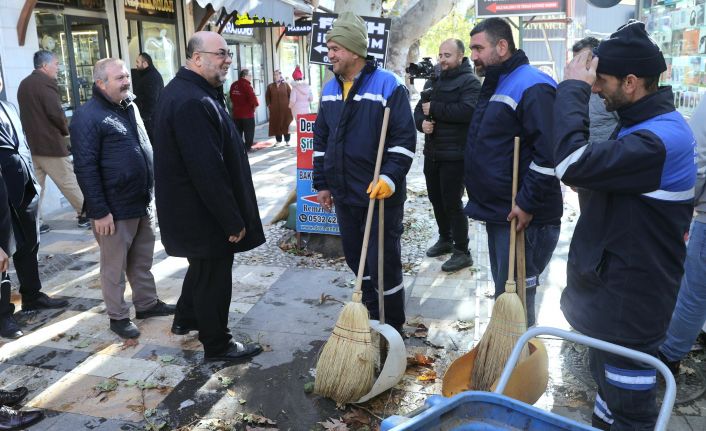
{"type": "Point", "coordinates": [493, 411]}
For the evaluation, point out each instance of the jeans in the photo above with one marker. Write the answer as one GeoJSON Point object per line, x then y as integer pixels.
{"type": "Point", "coordinates": [445, 194]}
{"type": "Point", "coordinates": [690, 311]}
{"type": "Point", "coordinates": [540, 241]}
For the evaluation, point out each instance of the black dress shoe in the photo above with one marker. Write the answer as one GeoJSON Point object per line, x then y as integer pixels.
{"type": "Point", "coordinates": [236, 352]}
{"type": "Point", "coordinates": [9, 328]}
{"type": "Point", "coordinates": [13, 397]}
{"type": "Point", "coordinates": [43, 302]}
{"type": "Point", "coordinates": [183, 329]}
{"type": "Point", "coordinates": [11, 419]}
{"type": "Point", "coordinates": [158, 309]}
{"type": "Point", "coordinates": [459, 260]}
{"type": "Point", "coordinates": [125, 328]}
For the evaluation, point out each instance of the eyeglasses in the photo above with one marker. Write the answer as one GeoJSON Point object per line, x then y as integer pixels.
{"type": "Point", "coordinates": [219, 54]}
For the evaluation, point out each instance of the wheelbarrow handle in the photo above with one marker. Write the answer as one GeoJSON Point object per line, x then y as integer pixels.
{"type": "Point", "coordinates": [669, 394]}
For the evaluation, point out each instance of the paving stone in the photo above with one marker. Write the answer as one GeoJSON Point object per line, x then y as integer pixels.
{"type": "Point", "coordinates": [35, 379]}
{"type": "Point", "coordinates": [49, 358]}
{"type": "Point", "coordinates": [115, 366]}
{"type": "Point", "coordinates": [73, 421]}
{"type": "Point", "coordinates": [181, 357]}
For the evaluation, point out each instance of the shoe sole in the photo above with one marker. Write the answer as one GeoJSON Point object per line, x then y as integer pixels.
{"type": "Point", "coordinates": [456, 269]}
{"type": "Point", "coordinates": [183, 331]}
{"type": "Point", "coordinates": [142, 316]}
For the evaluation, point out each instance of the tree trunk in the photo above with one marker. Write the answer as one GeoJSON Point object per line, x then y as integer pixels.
{"type": "Point", "coordinates": [410, 22]}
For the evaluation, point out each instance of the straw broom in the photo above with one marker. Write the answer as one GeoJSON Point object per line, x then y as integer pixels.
{"type": "Point", "coordinates": [346, 366]}
{"type": "Point", "coordinates": [507, 321]}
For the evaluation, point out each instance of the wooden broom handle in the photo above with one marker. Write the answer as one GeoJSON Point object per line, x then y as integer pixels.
{"type": "Point", "coordinates": [381, 260]}
{"type": "Point", "coordinates": [513, 223]}
{"type": "Point", "coordinates": [371, 205]}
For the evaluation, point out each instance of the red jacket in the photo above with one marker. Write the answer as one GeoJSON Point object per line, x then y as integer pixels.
{"type": "Point", "coordinates": [243, 98]}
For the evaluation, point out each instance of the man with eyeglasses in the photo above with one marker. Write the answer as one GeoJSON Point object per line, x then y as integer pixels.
{"type": "Point", "coordinates": [205, 195]}
{"type": "Point", "coordinates": [113, 164]}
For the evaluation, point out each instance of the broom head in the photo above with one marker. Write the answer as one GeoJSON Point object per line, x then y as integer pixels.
{"type": "Point", "coordinates": [346, 366]}
{"type": "Point", "coordinates": [506, 326]}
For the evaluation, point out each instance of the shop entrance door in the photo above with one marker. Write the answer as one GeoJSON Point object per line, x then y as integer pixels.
{"type": "Point", "coordinates": [250, 56]}
{"type": "Point", "coordinates": [86, 45]}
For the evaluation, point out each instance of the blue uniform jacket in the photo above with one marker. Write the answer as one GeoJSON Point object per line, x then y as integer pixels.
{"type": "Point", "coordinates": [515, 100]}
{"type": "Point", "coordinates": [637, 189]}
{"type": "Point", "coordinates": [347, 133]}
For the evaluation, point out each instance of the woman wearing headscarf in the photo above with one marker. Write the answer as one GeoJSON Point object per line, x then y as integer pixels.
{"type": "Point", "coordinates": [277, 100]}
{"type": "Point", "coordinates": [301, 94]}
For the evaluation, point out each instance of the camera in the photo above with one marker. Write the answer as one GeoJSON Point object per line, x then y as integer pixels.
{"type": "Point", "coordinates": [422, 70]}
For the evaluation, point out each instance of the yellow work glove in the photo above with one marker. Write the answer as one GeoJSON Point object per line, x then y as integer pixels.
{"type": "Point", "coordinates": [382, 190]}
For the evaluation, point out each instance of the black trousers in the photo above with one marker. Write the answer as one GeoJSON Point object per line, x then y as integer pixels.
{"type": "Point", "coordinates": [246, 127]}
{"type": "Point", "coordinates": [445, 189]}
{"type": "Point", "coordinates": [278, 138]}
{"type": "Point", "coordinates": [351, 222]}
{"type": "Point", "coordinates": [26, 230]}
{"type": "Point", "coordinates": [204, 302]}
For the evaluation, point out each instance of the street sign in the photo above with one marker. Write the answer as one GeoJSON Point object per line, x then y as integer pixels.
{"type": "Point", "coordinates": [300, 28]}
{"type": "Point", "coordinates": [311, 217]}
{"type": "Point", "coordinates": [378, 32]}
{"type": "Point", "coordinates": [488, 8]}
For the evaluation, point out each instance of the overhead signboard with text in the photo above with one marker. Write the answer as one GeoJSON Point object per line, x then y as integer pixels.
{"type": "Point", "coordinates": [378, 32]}
{"type": "Point", "coordinates": [488, 8]}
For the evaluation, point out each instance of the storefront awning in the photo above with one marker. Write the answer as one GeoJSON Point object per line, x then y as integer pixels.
{"type": "Point", "coordinates": [276, 10]}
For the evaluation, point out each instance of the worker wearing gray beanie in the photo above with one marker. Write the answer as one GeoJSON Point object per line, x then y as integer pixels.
{"type": "Point", "coordinates": [349, 30]}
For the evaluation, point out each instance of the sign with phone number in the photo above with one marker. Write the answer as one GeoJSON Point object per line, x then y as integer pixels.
{"type": "Point", "coordinates": [311, 217]}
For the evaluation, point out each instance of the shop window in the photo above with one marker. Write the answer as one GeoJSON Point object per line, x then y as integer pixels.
{"type": "Point", "coordinates": [159, 41]}
{"type": "Point", "coordinates": [679, 28]}
{"type": "Point", "coordinates": [288, 58]}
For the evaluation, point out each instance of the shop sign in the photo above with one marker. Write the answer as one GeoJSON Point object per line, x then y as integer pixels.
{"type": "Point", "coordinates": [311, 217]}
{"type": "Point", "coordinates": [79, 4]}
{"type": "Point", "coordinates": [487, 8]}
{"type": "Point", "coordinates": [238, 31]}
{"type": "Point", "coordinates": [155, 8]}
{"type": "Point", "coordinates": [300, 28]}
{"type": "Point", "coordinates": [245, 20]}
{"type": "Point", "coordinates": [378, 33]}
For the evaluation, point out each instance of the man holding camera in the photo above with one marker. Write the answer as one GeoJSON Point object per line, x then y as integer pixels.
{"type": "Point", "coordinates": [443, 114]}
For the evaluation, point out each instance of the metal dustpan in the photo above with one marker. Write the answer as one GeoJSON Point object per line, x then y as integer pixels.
{"type": "Point", "coordinates": [393, 353]}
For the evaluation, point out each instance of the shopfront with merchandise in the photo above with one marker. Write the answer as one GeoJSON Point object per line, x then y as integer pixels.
{"type": "Point", "coordinates": [152, 28]}
{"type": "Point", "coordinates": [77, 32]}
{"type": "Point", "coordinates": [679, 28]}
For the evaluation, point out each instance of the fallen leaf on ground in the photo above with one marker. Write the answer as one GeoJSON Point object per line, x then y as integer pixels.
{"type": "Point", "coordinates": [356, 417]}
{"type": "Point", "coordinates": [129, 342]}
{"type": "Point", "coordinates": [325, 298]}
{"type": "Point", "coordinates": [421, 360]}
{"type": "Point", "coordinates": [231, 393]}
{"type": "Point", "coordinates": [257, 419]}
{"type": "Point", "coordinates": [463, 325]}
{"type": "Point", "coordinates": [186, 403]}
{"type": "Point", "coordinates": [106, 386]}
{"type": "Point", "coordinates": [166, 358]}
{"type": "Point", "coordinates": [83, 344]}
{"type": "Point", "coordinates": [242, 401]}
{"type": "Point", "coordinates": [225, 381]}
{"type": "Point", "coordinates": [420, 331]}
{"type": "Point", "coordinates": [58, 336]}
{"type": "Point", "coordinates": [150, 412]}
{"type": "Point", "coordinates": [309, 387]}
{"type": "Point", "coordinates": [73, 337]}
{"type": "Point", "coordinates": [427, 376]}
{"type": "Point", "coordinates": [334, 425]}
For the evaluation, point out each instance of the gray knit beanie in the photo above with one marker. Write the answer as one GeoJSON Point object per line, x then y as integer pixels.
{"type": "Point", "coordinates": [349, 30]}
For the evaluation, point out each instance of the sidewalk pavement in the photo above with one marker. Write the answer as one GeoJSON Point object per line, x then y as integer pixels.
{"type": "Point", "coordinates": [85, 377]}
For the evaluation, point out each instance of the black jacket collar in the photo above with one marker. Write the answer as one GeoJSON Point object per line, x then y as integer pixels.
{"type": "Point", "coordinates": [657, 103]}
{"type": "Point", "coordinates": [199, 80]}
{"type": "Point", "coordinates": [463, 68]}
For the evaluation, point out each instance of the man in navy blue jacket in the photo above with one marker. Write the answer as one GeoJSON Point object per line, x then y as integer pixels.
{"type": "Point", "coordinates": [515, 100]}
{"type": "Point", "coordinates": [113, 165]}
{"type": "Point", "coordinates": [346, 136]}
{"type": "Point", "coordinates": [627, 253]}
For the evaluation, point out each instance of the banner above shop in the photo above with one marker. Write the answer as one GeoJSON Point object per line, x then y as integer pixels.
{"type": "Point", "coordinates": [79, 4]}
{"type": "Point", "coordinates": [262, 13]}
{"type": "Point", "coordinates": [154, 8]}
{"type": "Point", "coordinates": [378, 33]}
{"type": "Point", "coordinates": [300, 28]}
{"type": "Point", "coordinates": [488, 8]}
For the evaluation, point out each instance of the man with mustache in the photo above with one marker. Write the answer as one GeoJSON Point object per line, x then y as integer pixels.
{"type": "Point", "coordinates": [515, 100]}
{"type": "Point", "coordinates": [113, 164]}
{"type": "Point", "coordinates": [205, 195]}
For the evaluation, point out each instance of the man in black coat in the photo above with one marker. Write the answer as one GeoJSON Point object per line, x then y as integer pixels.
{"type": "Point", "coordinates": [206, 201]}
{"type": "Point", "coordinates": [148, 86]}
{"type": "Point", "coordinates": [23, 194]}
{"type": "Point", "coordinates": [113, 165]}
{"type": "Point", "coordinates": [443, 115]}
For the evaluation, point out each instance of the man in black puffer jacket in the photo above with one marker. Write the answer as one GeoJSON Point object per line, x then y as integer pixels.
{"type": "Point", "coordinates": [113, 165]}
{"type": "Point", "coordinates": [443, 115]}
